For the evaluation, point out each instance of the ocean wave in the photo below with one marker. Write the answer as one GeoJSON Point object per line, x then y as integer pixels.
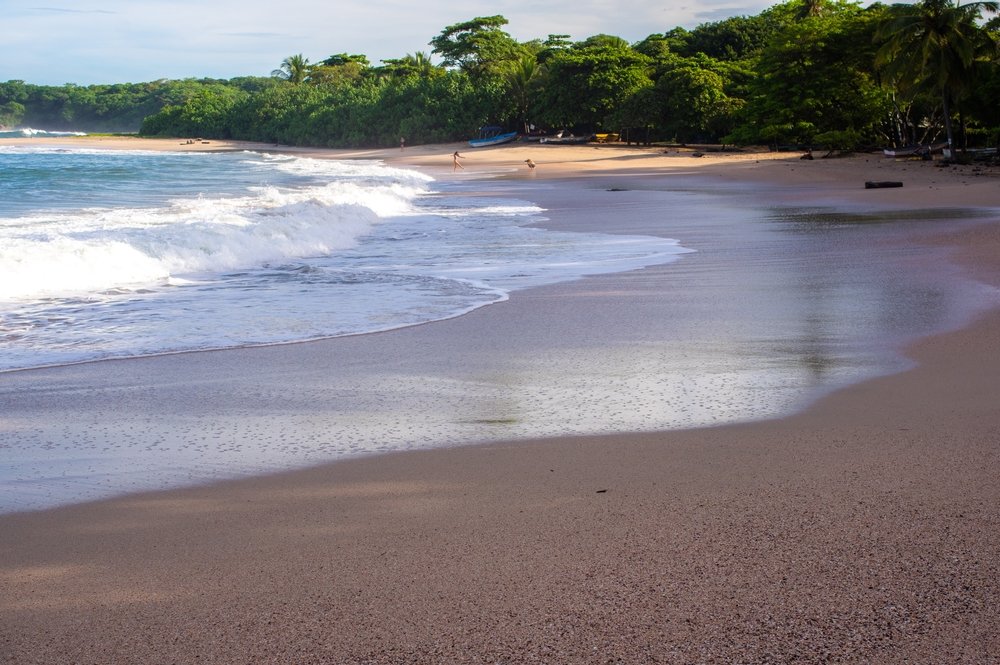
{"type": "Point", "coordinates": [58, 254]}
{"type": "Point", "coordinates": [28, 132]}
{"type": "Point", "coordinates": [120, 254]}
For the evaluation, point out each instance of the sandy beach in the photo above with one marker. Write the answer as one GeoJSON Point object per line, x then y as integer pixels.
{"type": "Point", "coordinates": [863, 529]}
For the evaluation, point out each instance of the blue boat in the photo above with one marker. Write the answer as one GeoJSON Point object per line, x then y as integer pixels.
{"type": "Point", "coordinates": [492, 136]}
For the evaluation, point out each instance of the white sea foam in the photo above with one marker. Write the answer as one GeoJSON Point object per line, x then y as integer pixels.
{"type": "Point", "coordinates": [68, 253]}
{"type": "Point", "coordinates": [111, 254]}
{"type": "Point", "coordinates": [28, 132]}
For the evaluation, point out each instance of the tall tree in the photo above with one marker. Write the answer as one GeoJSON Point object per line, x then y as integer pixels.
{"type": "Point", "coordinates": [734, 38]}
{"type": "Point", "coordinates": [814, 77]}
{"type": "Point", "coordinates": [339, 59]}
{"type": "Point", "coordinates": [294, 69]}
{"type": "Point", "coordinates": [691, 97]}
{"type": "Point", "coordinates": [585, 85]}
{"type": "Point", "coordinates": [935, 44]}
{"type": "Point", "coordinates": [479, 47]}
{"type": "Point", "coordinates": [522, 79]}
{"type": "Point", "coordinates": [339, 69]}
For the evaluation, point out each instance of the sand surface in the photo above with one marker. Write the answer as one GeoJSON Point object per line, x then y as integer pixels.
{"type": "Point", "coordinates": [864, 529]}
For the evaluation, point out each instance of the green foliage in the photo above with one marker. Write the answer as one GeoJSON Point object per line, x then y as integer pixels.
{"type": "Point", "coordinates": [523, 79]}
{"type": "Point", "coordinates": [416, 64]}
{"type": "Point", "coordinates": [375, 112]}
{"type": "Point", "coordinates": [479, 47]}
{"type": "Point", "coordinates": [339, 69]}
{"type": "Point", "coordinates": [585, 85]}
{"type": "Point", "coordinates": [444, 108]}
{"type": "Point", "coordinates": [813, 77]}
{"type": "Point", "coordinates": [937, 45]}
{"type": "Point", "coordinates": [655, 47]}
{"type": "Point", "coordinates": [337, 75]}
{"type": "Point", "coordinates": [11, 114]}
{"type": "Point", "coordinates": [294, 69]}
{"type": "Point", "coordinates": [733, 38]}
{"type": "Point", "coordinates": [845, 140]}
{"type": "Point", "coordinates": [982, 101]}
{"type": "Point", "coordinates": [13, 94]}
{"type": "Point", "coordinates": [206, 113]}
{"type": "Point", "coordinates": [693, 103]}
{"type": "Point", "coordinates": [103, 108]}
{"type": "Point", "coordinates": [340, 59]}
{"type": "Point", "coordinates": [602, 41]}
{"type": "Point", "coordinates": [934, 43]}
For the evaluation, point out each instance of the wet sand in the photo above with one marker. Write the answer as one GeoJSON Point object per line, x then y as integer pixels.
{"type": "Point", "coordinates": [863, 529]}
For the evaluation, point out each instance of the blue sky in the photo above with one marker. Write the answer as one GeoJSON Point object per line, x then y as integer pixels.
{"type": "Point", "coordinates": [51, 42]}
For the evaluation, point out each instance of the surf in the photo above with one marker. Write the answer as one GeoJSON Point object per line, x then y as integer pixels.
{"type": "Point", "coordinates": [110, 254]}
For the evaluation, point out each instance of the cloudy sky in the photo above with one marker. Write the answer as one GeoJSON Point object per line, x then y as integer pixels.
{"type": "Point", "coordinates": [51, 42]}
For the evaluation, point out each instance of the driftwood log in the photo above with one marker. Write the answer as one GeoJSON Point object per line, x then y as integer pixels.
{"type": "Point", "coordinates": [881, 184]}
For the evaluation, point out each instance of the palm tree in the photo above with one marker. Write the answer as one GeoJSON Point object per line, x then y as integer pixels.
{"type": "Point", "coordinates": [294, 69]}
{"type": "Point", "coordinates": [935, 44]}
{"type": "Point", "coordinates": [416, 64]}
{"type": "Point", "coordinates": [420, 63]}
{"type": "Point", "coordinates": [521, 77]}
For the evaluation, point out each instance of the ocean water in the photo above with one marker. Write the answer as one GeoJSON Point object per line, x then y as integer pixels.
{"type": "Point", "coordinates": [108, 254]}
{"type": "Point", "coordinates": [121, 254]}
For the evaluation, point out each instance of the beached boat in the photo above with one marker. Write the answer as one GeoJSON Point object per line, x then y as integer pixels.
{"type": "Point", "coordinates": [569, 138]}
{"type": "Point", "coordinates": [914, 150]}
{"type": "Point", "coordinates": [976, 154]}
{"type": "Point", "coordinates": [492, 136]}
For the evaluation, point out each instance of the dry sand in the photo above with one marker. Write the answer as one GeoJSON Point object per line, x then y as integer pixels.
{"type": "Point", "coordinates": [862, 530]}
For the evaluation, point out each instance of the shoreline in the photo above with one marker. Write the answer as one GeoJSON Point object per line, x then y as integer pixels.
{"type": "Point", "coordinates": [926, 184]}
{"type": "Point", "coordinates": [863, 527]}
{"type": "Point", "coordinates": [826, 181]}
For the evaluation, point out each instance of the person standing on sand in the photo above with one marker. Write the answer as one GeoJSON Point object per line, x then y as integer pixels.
{"type": "Point", "coordinates": [455, 164]}
{"type": "Point", "coordinates": [402, 143]}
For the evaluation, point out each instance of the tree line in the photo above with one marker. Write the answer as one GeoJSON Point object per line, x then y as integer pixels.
{"type": "Point", "coordinates": [823, 73]}
{"type": "Point", "coordinates": [119, 107]}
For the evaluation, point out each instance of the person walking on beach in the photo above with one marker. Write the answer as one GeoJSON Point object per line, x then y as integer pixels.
{"type": "Point", "coordinates": [455, 164]}
{"type": "Point", "coordinates": [402, 143]}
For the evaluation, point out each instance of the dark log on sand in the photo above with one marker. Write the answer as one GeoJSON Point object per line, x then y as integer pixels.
{"type": "Point", "coordinates": [880, 184]}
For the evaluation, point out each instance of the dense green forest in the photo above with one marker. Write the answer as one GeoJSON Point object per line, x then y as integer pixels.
{"type": "Point", "coordinates": [825, 73]}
